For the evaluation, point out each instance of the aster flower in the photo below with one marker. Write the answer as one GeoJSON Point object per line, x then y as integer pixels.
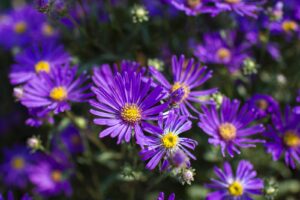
{"type": "Point", "coordinates": [297, 108]}
{"type": "Point", "coordinates": [72, 140]}
{"type": "Point", "coordinates": [161, 196]}
{"type": "Point", "coordinates": [56, 90]}
{"type": "Point", "coordinates": [240, 186]}
{"type": "Point", "coordinates": [284, 137]}
{"type": "Point", "coordinates": [263, 104]}
{"type": "Point", "coordinates": [10, 196]}
{"type": "Point", "coordinates": [230, 129]}
{"type": "Point", "coordinates": [194, 7]}
{"type": "Point", "coordinates": [286, 26]}
{"type": "Point", "coordinates": [50, 175]}
{"type": "Point", "coordinates": [14, 169]}
{"type": "Point", "coordinates": [39, 116]}
{"type": "Point", "coordinates": [23, 26]}
{"type": "Point", "coordinates": [126, 105]}
{"type": "Point", "coordinates": [187, 75]}
{"type": "Point", "coordinates": [228, 51]}
{"type": "Point", "coordinates": [241, 7]}
{"type": "Point", "coordinates": [165, 141]}
{"type": "Point", "coordinates": [37, 59]}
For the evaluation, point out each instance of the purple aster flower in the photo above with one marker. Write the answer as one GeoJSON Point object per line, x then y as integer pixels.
{"type": "Point", "coordinates": [23, 26]}
{"type": "Point", "coordinates": [56, 90]}
{"type": "Point", "coordinates": [14, 169]}
{"type": "Point", "coordinates": [194, 7]}
{"type": "Point", "coordinates": [72, 140]}
{"type": "Point", "coordinates": [37, 59]}
{"type": "Point", "coordinates": [10, 196]}
{"type": "Point", "coordinates": [50, 175]}
{"type": "Point", "coordinates": [287, 26]}
{"type": "Point", "coordinates": [235, 187]}
{"type": "Point", "coordinates": [241, 7]}
{"type": "Point", "coordinates": [165, 141]}
{"type": "Point", "coordinates": [39, 116]}
{"type": "Point", "coordinates": [227, 51]}
{"type": "Point", "coordinates": [263, 104]}
{"type": "Point", "coordinates": [230, 128]}
{"type": "Point", "coordinates": [125, 105]}
{"type": "Point", "coordinates": [297, 108]}
{"type": "Point", "coordinates": [284, 137]}
{"type": "Point", "coordinates": [161, 196]}
{"type": "Point", "coordinates": [187, 75]}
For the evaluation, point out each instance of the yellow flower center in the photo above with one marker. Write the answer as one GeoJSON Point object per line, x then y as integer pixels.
{"type": "Point", "coordinates": [193, 3]}
{"type": "Point", "coordinates": [235, 189]}
{"type": "Point", "coordinates": [18, 162]}
{"type": "Point", "coordinates": [56, 176]}
{"type": "Point", "coordinates": [47, 30]}
{"type": "Point", "coordinates": [289, 26]}
{"type": "Point", "coordinates": [223, 53]}
{"type": "Point", "coordinates": [262, 104]}
{"type": "Point", "coordinates": [233, 1]}
{"type": "Point", "coordinates": [131, 113]}
{"type": "Point", "coordinates": [185, 88]}
{"type": "Point", "coordinates": [58, 93]}
{"type": "Point", "coordinates": [20, 27]}
{"type": "Point", "coordinates": [291, 139]}
{"type": "Point", "coordinates": [227, 131]}
{"type": "Point", "coordinates": [169, 140]}
{"type": "Point", "coordinates": [42, 66]}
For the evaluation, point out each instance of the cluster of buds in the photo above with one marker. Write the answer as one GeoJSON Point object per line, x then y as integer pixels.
{"type": "Point", "coordinates": [139, 14]}
{"type": "Point", "coordinates": [249, 67]}
{"type": "Point", "coordinates": [35, 143]}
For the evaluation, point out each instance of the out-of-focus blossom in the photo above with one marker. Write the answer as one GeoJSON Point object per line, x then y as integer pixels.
{"type": "Point", "coordinates": [264, 105]}
{"type": "Point", "coordinates": [125, 105]}
{"type": "Point", "coordinates": [230, 129]}
{"type": "Point", "coordinates": [72, 140]}
{"type": "Point", "coordinates": [297, 108]}
{"type": "Point", "coordinates": [37, 59]}
{"type": "Point", "coordinates": [187, 75]}
{"type": "Point", "coordinates": [165, 141]}
{"type": "Point", "coordinates": [195, 7]}
{"type": "Point", "coordinates": [51, 174]}
{"type": "Point", "coordinates": [55, 91]}
{"type": "Point", "coordinates": [227, 50]}
{"type": "Point", "coordinates": [284, 137]}
{"type": "Point", "coordinates": [14, 168]}
{"type": "Point", "coordinates": [10, 196]}
{"type": "Point", "coordinates": [241, 185]}
{"type": "Point", "coordinates": [39, 116]}
{"type": "Point", "coordinates": [161, 196]}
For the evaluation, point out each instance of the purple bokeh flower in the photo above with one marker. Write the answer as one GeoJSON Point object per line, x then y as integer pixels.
{"type": "Point", "coordinates": [297, 108]}
{"type": "Point", "coordinates": [37, 59]}
{"type": "Point", "coordinates": [227, 50]}
{"type": "Point", "coordinates": [125, 105]}
{"type": "Point", "coordinates": [10, 196]}
{"type": "Point", "coordinates": [230, 129]}
{"type": "Point", "coordinates": [56, 90]}
{"type": "Point", "coordinates": [187, 75]}
{"type": "Point", "coordinates": [235, 187]}
{"type": "Point", "coordinates": [50, 175]}
{"type": "Point", "coordinates": [161, 196]}
{"type": "Point", "coordinates": [14, 169]}
{"type": "Point", "coordinates": [194, 7]}
{"type": "Point", "coordinates": [284, 137]}
{"type": "Point", "coordinates": [165, 141]}
{"type": "Point", "coordinates": [263, 104]}
{"type": "Point", "coordinates": [72, 140]}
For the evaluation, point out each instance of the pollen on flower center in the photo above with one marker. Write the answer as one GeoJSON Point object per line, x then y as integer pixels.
{"type": "Point", "coordinates": [235, 189]}
{"type": "Point", "coordinates": [47, 30]}
{"type": "Point", "coordinates": [262, 104]}
{"type": "Point", "coordinates": [233, 1]}
{"type": "Point", "coordinates": [18, 163]}
{"type": "Point", "coordinates": [227, 131]}
{"type": "Point", "coordinates": [169, 140]}
{"type": "Point", "coordinates": [20, 27]}
{"type": "Point", "coordinates": [193, 3]}
{"type": "Point", "coordinates": [223, 53]}
{"type": "Point", "coordinates": [59, 93]}
{"type": "Point", "coordinates": [185, 88]}
{"type": "Point", "coordinates": [42, 66]}
{"type": "Point", "coordinates": [289, 26]}
{"type": "Point", "coordinates": [131, 113]}
{"type": "Point", "coordinates": [56, 176]}
{"type": "Point", "coordinates": [291, 139]}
